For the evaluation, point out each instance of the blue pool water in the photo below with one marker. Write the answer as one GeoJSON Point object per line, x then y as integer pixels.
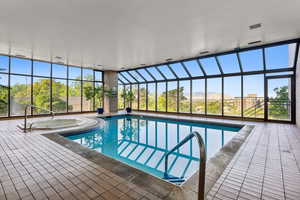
{"type": "Point", "coordinates": [142, 142]}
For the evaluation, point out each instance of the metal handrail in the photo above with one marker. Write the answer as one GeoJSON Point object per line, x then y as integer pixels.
{"type": "Point", "coordinates": [202, 164]}
{"type": "Point", "coordinates": [33, 106]}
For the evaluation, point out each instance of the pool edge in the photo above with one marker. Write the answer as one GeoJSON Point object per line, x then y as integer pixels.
{"type": "Point", "coordinates": [215, 165]}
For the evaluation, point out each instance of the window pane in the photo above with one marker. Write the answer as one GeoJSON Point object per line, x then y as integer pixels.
{"type": "Point", "coordinates": [155, 73]}
{"type": "Point", "coordinates": [232, 96]}
{"type": "Point", "coordinates": [134, 89]}
{"type": "Point", "coordinates": [193, 67]}
{"type": "Point", "coordinates": [75, 73]}
{"type": "Point", "coordinates": [74, 103]}
{"type": "Point", "coordinates": [172, 96]}
{"type": "Point", "coordinates": [98, 76]}
{"type": "Point", "coordinates": [184, 96]}
{"type": "Point", "coordinates": [280, 56]}
{"type": "Point", "coordinates": [214, 96]}
{"type": "Point", "coordinates": [161, 96]}
{"type": "Point", "coordinates": [210, 66]}
{"type": "Point", "coordinates": [253, 96]}
{"type": "Point", "coordinates": [143, 94]}
{"type": "Point", "coordinates": [145, 74]}
{"type": "Point", "coordinates": [4, 63]}
{"type": "Point", "coordinates": [251, 60]}
{"type": "Point", "coordinates": [20, 66]}
{"type": "Point", "coordinates": [20, 94]}
{"type": "Point", "coordinates": [122, 79]}
{"type": "Point", "coordinates": [3, 95]}
{"type": "Point", "coordinates": [166, 72]}
{"type": "Point", "coordinates": [59, 95]}
{"type": "Point", "coordinates": [229, 63]}
{"type": "Point", "coordinates": [98, 95]}
{"type": "Point", "coordinates": [127, 104]}
{"type": "Point", "coordinates": [151, 96]}
{"type": "Point", "coordinates": [88, 96]}
{"type": "Point", "coordinates": [41, 68]}
{"type": "Point", "coordinates": [88, 74]}
{"type": "Point", "coordinates": [128, 77]}
{"type": "Point", "coordinates": [137, 76]}
{"type": "Point", "coordinates": [121, 89]}
{"type": "Point", "coordinates": [198, 96]}
{"type": "Point", "coordinates": [179, 71]}
{"type": "Point", "coordinates": [59, 71]}
{"type": "Point", "coordinates": [41, 95]}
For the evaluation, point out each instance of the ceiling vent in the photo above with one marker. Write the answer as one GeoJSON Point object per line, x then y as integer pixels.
{"type": "Point", "coordinates": [169, 59]}
{"type": "Point", "coordinates": [58, 57]}
{"type": "Point", "coordinates": [254, 42]}
{"type": "Point", "coordinates": [143, 64]}
{"type": "Point", "coordinates": [255, 26]}
{"type": "Point", "coordinates": [60, 63]}
{"type": "Point", "coordinates": [204, 52]}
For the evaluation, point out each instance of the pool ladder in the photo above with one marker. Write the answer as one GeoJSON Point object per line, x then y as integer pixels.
{"type": "Point", "coordinates": [202, 164]}
{"type": "Point", "coordinates": [25, 114]}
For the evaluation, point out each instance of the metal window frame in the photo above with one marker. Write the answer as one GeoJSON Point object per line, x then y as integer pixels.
{"type": "Point", "coordinates": [51, 77]}
{"type": "Point", "coordinates": [222, 75]}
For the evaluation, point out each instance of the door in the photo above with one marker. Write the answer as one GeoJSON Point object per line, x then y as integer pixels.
{"type": "Point", "coordinates": [279, 98]}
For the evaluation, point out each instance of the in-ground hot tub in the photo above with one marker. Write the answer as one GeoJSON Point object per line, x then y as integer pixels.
{"type": "Point", "coordinates": [55, 124]}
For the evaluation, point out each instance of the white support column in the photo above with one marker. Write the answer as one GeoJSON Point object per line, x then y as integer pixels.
{"type": "Point", "coordinates": [111, 83]}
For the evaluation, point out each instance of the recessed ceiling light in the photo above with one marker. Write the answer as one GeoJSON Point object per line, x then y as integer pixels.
{"type": "Point", "coordinates": [254, 42]}
{"type": "Point", "coordinates": [204, 52]}
{"type": "Point", "coordinates": [58, 57]}
{"type": "Point", "coordinates": [255, 26]}
{"type": "Point", "coordinates": [169, 59]}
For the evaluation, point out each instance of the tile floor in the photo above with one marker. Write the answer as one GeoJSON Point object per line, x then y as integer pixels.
{"type": "Point", "coordinates": [267, 166]}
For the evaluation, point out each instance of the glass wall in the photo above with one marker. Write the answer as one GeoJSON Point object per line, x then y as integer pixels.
{"type": "Point", "coordinates": [229, 84]}
{"type": "Point", "coordinates": [49, 87]}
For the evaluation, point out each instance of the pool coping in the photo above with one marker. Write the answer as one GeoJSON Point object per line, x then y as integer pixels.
{"type": "Point", "coordinates": [159, 187]}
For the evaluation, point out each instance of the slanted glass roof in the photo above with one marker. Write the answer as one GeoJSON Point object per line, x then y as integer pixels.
{"type": "Point", "coordinates": [229, 63]}
{"type": "Point", "coordinates": [145, 74]}
{"type": "Point", "coordinates": [272, 58]}
{"type": "Point", "coordinates": [282, 56]}
{"type": "Point", "coordinates": [129, 77]}
{"type": "Point", "coordinates": [252, 60]}
{"type": "Point", "coordinates": [210, 66]}
{"type": "Point", "coordinates": [136, 76]}
{"type": "Point", "coordinates": [179, 70]}
{"type": "Point", "coordinates": [166, 72]}
{"type": "Point", "coordinates": [193, 67]}
{"type": "Point", "coordinates": [155, 73]}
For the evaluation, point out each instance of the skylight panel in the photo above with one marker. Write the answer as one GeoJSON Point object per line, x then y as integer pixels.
{"type": "Point", "coordinates": [136, 76]}
{"type": "Point", "coordinates": [252, 60]}
{"type": "Point", "coordinates": [210, 66]}
{"type": "Point", "coordinates": [193, 67]}
{"type": "Point", "coordinates": [179, 70]}
{"type": "Point", "coordinates": [166, 71]}
{"type": "Point", "coordinates": [145, 74]}
{"type": "Point", "coordinates": [128, 77]}
{"type": "Point", "coordinates": [155, 73]}
{"type": "Point", "coordinates": [229, 63]}
{"type": "Point", "coordinates": [281, 56]}
{"type": "Point", "coordinates": [122, 78]}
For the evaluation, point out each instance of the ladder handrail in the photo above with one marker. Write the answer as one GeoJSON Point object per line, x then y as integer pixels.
{"type": "Point", "coordinates": [33, 106]}
{"type": "Point", "coordinates": [202, 164]}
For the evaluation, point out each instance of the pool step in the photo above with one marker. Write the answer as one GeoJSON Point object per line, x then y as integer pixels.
{"type": "Point", "coordinates": [176, 180]}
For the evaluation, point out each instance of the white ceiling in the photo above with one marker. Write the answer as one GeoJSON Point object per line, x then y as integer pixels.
{"type": "Point", "coordinates": [127, 33]}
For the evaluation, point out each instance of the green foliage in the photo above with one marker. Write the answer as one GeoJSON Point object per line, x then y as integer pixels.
{"type": "Point", "coordinates": [128, 96]}
{"type": "Point", "coordinates": [279, 105]}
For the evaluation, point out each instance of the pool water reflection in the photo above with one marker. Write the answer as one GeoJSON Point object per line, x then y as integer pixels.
{"type": "Point", "coordinates": [142, 143]}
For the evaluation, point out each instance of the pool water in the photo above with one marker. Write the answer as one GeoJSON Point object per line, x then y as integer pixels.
{"type": "Point", "coordinates": [142, 142]}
